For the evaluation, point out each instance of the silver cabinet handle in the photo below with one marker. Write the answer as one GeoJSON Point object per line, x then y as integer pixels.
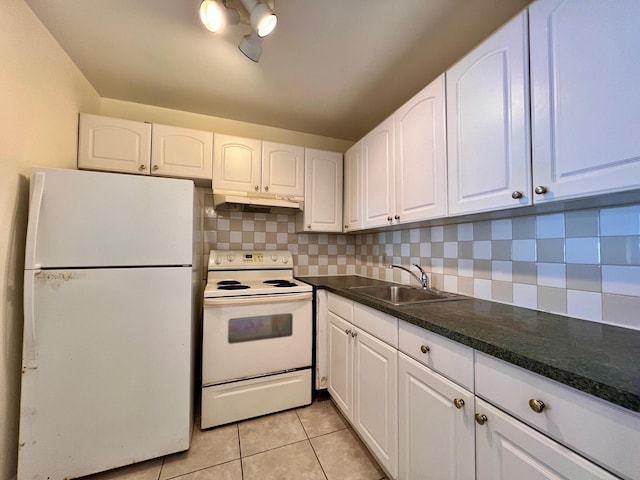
{"type": "Point", "coordinates": [347, 331]}
{"type": "Point", "coordinates": [397, 217]}
{"type": "Point", "coordinates": [424, 349]}
{"type": "Point", "coordinates": [537, 406]}
{"type": "Point", "coordinates": [389, 218]}
{"type": "Point", "coordinates": [541, 190]}
{"type": "Point", "coordinates": [458, 402]}
{"type": "Point", "coordinates": [481, 418]}
{"type": "Point", "coordinates": [516, 195]}
{"type": "Point", "coordinates": [354, 334]}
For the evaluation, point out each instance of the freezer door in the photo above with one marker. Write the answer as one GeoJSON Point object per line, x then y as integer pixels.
{"type": "Point", "coordinates": [93, 219]}
{"type": "Point", "coordinates": [109, 380]}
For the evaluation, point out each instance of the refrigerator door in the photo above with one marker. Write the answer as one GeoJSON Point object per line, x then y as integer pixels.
{"type": "Point", "coordinates": [92, 219]}
{"type": "Point", "coordinates": [107, 370]}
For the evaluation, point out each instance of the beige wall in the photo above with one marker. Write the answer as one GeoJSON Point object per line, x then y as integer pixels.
{"type": "Point", "coordinates": [41, 92]}
{"type": "Point", "coordinates": [148, 113]}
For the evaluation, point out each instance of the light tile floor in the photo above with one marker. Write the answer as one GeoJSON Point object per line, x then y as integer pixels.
{"type": "Point", "coordinates": [308, 443]}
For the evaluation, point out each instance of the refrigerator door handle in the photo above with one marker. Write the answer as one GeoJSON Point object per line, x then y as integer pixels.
{"type": "Point", "coordinates": [35, 204]}
{"type": "Point", "coordinates": [29, 351]}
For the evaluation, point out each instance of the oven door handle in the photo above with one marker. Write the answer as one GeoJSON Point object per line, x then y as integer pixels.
{"type": "Point", "coordinates": [259, 299]}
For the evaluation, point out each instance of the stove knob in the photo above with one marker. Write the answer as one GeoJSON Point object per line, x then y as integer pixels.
{"type": "Point", "coordinates": [230, 257]}
{"type": "Point", "coordinates": [218, 260]}
{"type": "Point", "coordinates": [274, 258]}
{"type": "Point", "coordinates": [285, 260]}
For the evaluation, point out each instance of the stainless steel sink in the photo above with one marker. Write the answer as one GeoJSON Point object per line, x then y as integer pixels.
{"type": "Point", "coordinates": [405, 295]}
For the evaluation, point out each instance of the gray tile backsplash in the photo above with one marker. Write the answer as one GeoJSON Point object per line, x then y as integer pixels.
{"type": "Point", "coordinates": [583, 263]}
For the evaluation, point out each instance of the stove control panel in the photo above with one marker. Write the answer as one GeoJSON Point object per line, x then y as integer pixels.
{"type": "Point", "coordinates": [219, 260]}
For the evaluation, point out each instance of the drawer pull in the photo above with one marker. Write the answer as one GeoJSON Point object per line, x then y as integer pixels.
{"type": "Point", "coordinates": [458, 402]}
{"type": "Point", "coordinates": [424, 349]}
{"type": "Point", "coordinates": [536, 405]}
{"type": "Point", "coordinates": [481, 418]}
{"type": "Point", "coordinates": [354, 334]}
{"type": "Point", "coordinates": [347, 331]}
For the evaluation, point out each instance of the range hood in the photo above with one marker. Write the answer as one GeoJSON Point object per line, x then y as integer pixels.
{"type": "Point", "coordinates": [256, 202]}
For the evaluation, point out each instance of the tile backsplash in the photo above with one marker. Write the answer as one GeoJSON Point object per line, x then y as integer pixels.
{"type": "Point", "coordinates": [582, 263]}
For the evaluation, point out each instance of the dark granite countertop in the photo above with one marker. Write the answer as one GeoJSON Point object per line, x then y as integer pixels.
{"type": "Point", "coordinates": [598, 359]}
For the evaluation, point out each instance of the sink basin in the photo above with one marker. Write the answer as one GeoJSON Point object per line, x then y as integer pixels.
{"type": "Point", "coordinates": [405, 295]}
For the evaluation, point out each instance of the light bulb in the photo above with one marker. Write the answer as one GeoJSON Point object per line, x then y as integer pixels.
{"type": "Point", "coordinates": [211, 15]}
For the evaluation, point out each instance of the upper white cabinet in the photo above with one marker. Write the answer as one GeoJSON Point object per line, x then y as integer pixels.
{"type": "Point", "coordinates": [404, 165]}
{"type": "Point", "coordinates": [420, 156]}
{"type": "Point", "coordinates": [353, 188]}
{"type": "Point", "coordinates": [322, 192]}
{"type": "Point", "coordinates": [118, 145]}
{"type": "Point", "coordinates": [181, 152]}
{"type": "Point", "coordinates": [237, 163]}
{"type": "Point", "coordinates": [283, 169]}
{"type": "Point", "coordinates": [378, 205]}
{"type": "Point", "coordinates": [249, 165]}
{"type": "Point", "coordinates": [585, 101]}
{"type": "Point", "coordinates": [488, 132]}
{"type": "Point", "coordinates": [113, 144]}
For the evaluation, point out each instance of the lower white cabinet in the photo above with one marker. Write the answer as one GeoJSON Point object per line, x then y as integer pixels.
{"type": "Point", "coordinates": [340, 369]}
{"type": "Point", "coordinates": [375, 381]}
{"type": "Point", "coordinates": [436, 425]}
{"type": "Point", "coordinates": [363, 382]}
{"type": "Point", "coordinates": [430, 408]}
{"type": "Point", "coordinates": [507, 449]}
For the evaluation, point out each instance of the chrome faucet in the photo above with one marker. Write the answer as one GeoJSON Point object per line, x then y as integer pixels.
{"type": "Point", "coordinates": [423, 279]}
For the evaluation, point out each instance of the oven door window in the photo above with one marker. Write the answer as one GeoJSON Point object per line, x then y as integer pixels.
{"type": "Point", "coordinates": [248, 329]}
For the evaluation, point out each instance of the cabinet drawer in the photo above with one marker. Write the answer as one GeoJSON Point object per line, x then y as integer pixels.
{"type": "Point", "coordinates": [601, 431]}
{"type": "Point", "coordinates": [445, 356]}
{"type": "Point", "coordinates": [378, 324]}
{"type": "Point", "coordinates": [341, 306]}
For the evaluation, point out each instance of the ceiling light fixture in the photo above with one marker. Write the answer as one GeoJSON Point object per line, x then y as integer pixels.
{"type": "Point", "coordinates": [257, 13]}
{"type": "Point", "coordinates": [251, 46]}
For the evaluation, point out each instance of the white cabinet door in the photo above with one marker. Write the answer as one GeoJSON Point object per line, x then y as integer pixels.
{"type": "Point", "coordinates": [282, 169]}
{"type": "Point", "coordinates": [376, 398]}
{"type": "Point", "coordinates": [353, 188]}
{"type": "Point", "coordinates": [322, 192]}
{"type": "Point", "coordinates": [436, 438]}
{"type": "Point", "coordinates": [507, 449]}
{"type": "Point", "coordinates": [113, 144]}
{"type": "Point", "coordinates": [378, 176]}
{"type": "Point", "coordinates": [236, 163]}
{"type": "Point", "coordinates": [340, 368]}
{"type": "Point", "coordinates": [585, 101]}
{"type": "Point", "coordinates": [181, 152]}
{"type": "Point", "coordinates": [420, 155]}
{"type": "Point", "coordinates": [488, 132]}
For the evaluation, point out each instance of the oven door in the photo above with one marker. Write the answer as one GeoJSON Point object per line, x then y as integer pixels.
{"type": "Point", "coordinates": [255, 335]}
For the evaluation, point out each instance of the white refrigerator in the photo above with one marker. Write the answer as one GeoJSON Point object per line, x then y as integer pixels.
{"type": "Point", "coordinates": [109, 312]}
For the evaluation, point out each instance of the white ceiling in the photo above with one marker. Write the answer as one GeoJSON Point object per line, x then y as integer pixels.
{"type": "Point", "coordinates": [332, 67]}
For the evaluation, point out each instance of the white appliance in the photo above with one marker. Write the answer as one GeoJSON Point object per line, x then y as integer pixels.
{"type": "Point", "coordinates": [109, 307]}
{"type": "Point", "coordinates": [257, 337]}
